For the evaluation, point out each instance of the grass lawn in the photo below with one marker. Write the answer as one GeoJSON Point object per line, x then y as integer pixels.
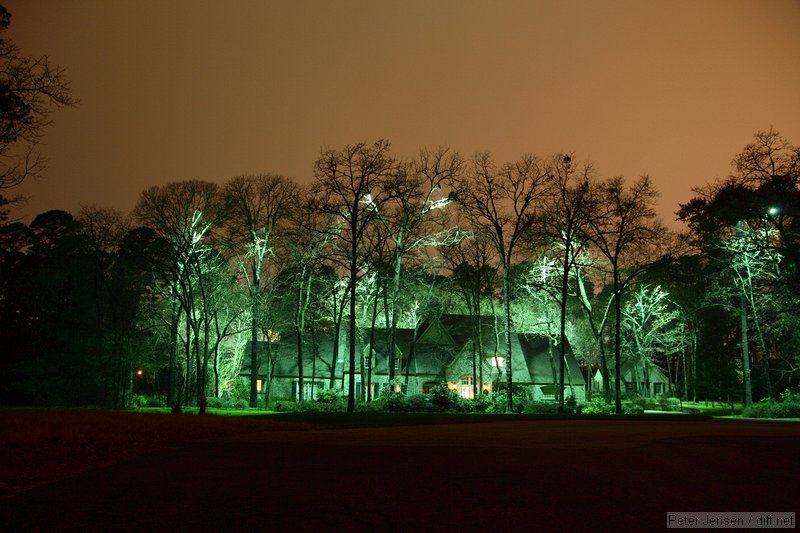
{"type": "Point", "coordinates": [715, 409]}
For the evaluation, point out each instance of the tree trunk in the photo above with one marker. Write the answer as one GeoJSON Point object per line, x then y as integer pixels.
{"type": "Point", "coordinates": [393, 327]}
{"type": "Point", "coordinates": [351, 401]}
{"type": "Point", "coordinates": [172, 369]}
{"type": "Point", "coordinates": [507, 308]}
{"type": "Point", "coordinates": [748, 385]}
{"type": "Point", "coordinates": [617, 342]}
{"type": "Point", "coordinates": [254, 337]}
{"type": "Point", "coordinates": [563, 332]}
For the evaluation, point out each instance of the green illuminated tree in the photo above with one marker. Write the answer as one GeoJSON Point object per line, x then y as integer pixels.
{"type": "Point", "coordinates": [747, 226]}
{"type": "Point", "coordinates": [503, 200]}
{"type": "Point", "coordinates": [348, 183]}
{"type": "Point", "coordinates": [652, 324]}
{"type": "Point", "coordinates": [184, 214]}
{"type": "Point", "coordinates": [256, 206]}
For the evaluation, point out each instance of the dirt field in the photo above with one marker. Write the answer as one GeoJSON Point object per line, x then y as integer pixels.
{"type": "Point", "coordinates": [516, 475]}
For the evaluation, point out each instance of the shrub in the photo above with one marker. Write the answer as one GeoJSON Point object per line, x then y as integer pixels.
{"type": "Point", "coordinates": [540, 408]}
{"type": "Point", "coordinates": [443, 398]}
{"type": "Point", "coordinates": [142, 400]}
{"type": "Point", "coordinates": [598, 406]}
{"type": "Point", "coordinates": [394, 402]}
{"type": "Point", "coordinates": [790, 396]}
{"type": "Point", "coordinates": [311, 406]}
{"type": "Point", "coordinates": [377, 405]}
{"type": "Point", "coordinates": [227, 403]}
{"type": "Point", "coordinates": [497, 402]}
{"type": "Point", "coordinates": [668, 403]}
{"type": "Point", "coordinates": [417, 403]}
{"type": "Point", "coordinates": [761, 409]}
{"type": "Point", "coordinates": [785, 410]}
{"type": "Point", "coordinates": [328, 395]}
{"type": "Point", "coordinates": [477, 405]}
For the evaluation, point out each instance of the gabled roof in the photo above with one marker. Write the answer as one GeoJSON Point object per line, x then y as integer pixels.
{"type": "Point", "coordinates": [537, 354]}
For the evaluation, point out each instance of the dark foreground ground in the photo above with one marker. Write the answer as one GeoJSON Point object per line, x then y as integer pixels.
{"type": "Point", "coordinates": [546, 475]}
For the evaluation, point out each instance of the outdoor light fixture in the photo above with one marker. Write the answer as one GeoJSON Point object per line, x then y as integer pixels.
{"type": "Point", "coordinates": [773, 211]}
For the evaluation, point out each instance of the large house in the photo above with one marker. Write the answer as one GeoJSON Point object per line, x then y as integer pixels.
{"type": "Point", "coordinates": [636, 378]}
{"type": "Point", "coordinates": [441, 350]}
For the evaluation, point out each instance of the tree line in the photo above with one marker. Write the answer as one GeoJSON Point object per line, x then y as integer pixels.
{"type": "Point", "coordinates": [185, 287]}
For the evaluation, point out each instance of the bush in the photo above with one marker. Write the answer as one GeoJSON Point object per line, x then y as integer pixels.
{"type": "Point", "coordinates": [789, 407]}
{"type": "Point", "coordinates": [142, 400]}
{"type": "Point", "coordinates": [762, 409]}
{"type": "Point", "coordinates": [477, 405]}
{"type": "Point", "coordinates": [443, 398]}
{"type": "Point", "coordinates": [328, 396]}
{"type": "Point", "coordinates": [311, 406]}
{"type": "Point", "coordinates": [394, 402]}
{"type": "Point", "coordinates": [598, 406]}
{"type": "Point", "coordinates": [377, 405]}
{"type": "Point", "coordinates": [497, 402]}
{"type": "Point", "coordinates": [668, 403]}
{"type": "Point", "coordinates": [227, 403]}
{"type": "Point", "coordinates": [789, 396]}
{"type": "Point", "coordinates": [640, 403]}
{"type": "Point", "coordinates": [540, 408]}
{"type": "Point", "coordinates": [417, 403]}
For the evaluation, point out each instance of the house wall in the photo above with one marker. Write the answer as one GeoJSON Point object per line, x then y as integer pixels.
{"type": "Point", "coordinates": [657, 377]}
{"type": "Point", "coordinates": [546, 392]}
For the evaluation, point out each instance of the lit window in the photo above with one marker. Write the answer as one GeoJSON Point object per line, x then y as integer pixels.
{"type": "Point", "coordinates": [259, 383]}
{"type": "Point", "coordinates": [498, 361]}
{"type": "Point", "coordinates": [467, 391]}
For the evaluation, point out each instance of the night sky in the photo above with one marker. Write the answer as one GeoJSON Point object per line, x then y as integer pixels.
{"type": "Point", "coordinates": [175, 90]}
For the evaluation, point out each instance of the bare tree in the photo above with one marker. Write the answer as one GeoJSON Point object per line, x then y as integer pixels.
{"type": "Point", "coordinates": [30, 88]}
{"type": "Point", "coordinates": [255, 207]}
{"type": "Point", "coordinates": [564, 222]}
{"type": "Point", "coordinates": [414, 200]}
{"type": "Point", "coordinates": [627, 232]}
{"type": "Point", "coordinates": [348, 185]}
{"type": "Point", "coordinates": [470, 262]}
{"type": "Point", "coordinates": [503, 200]}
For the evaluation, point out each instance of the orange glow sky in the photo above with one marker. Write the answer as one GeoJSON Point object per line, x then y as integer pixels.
{"type": "Point", "coordinates": [180, 89]}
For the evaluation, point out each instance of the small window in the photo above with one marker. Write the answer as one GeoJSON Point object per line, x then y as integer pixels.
{"type": "Point", "coordinates": [498, 361]}
{"type": "Point", "coordinates": [259, 384]}
{"type": "Point", "coordinates": [630, 386]}
{"type": "Point", "coordinates": [658, 388]}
